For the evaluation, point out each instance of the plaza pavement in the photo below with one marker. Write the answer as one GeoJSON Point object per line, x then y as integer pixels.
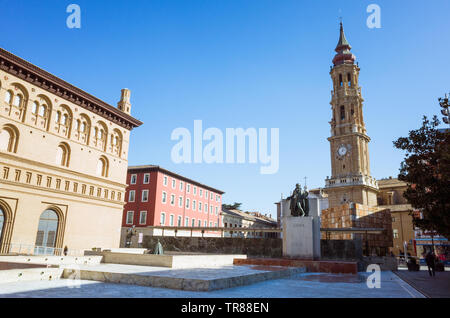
{"type": "Point", "coordinates": [433, 287]}
{"type": "Point", "coordinates": [312, 285]}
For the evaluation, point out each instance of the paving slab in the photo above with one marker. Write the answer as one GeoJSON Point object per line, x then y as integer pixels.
{"type": "Point", "coordinates": [298, 286]}
{"type": "Point", "coordinates": [194, 279]}
{"type": "Point", "coordinates": [432, 287]}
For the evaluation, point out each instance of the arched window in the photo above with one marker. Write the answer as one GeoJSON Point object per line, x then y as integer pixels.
{"type": "Point", "coordinates": [8, 97]}
{"type": "Point", "coordinates": [2, 221]}
{"type": "Point", "coordinates": [340, 80]}
{"type": "Point", "coordinates": [64, 119]}
{"type": "Point", "coordinates": [342, 112]}
{"type": "Point", "coordinates": [34, 108]}
{"type": "Point", "coordinates": [8, 138]}
{"type": "Point", "coordinates": [100, 135]}
{"type": "Point", "coordinates": [5, 140]}
{"type": "Point", "coordinates": [102, 167]}
{"type": "Point", "coordinates": [63, 155]}
{"type": "Point", "coordinates": [349, 79]}
{"type": "Point", "coordinates": [47, 229]}
{"type": "Point", "coordinates": [42, 110]}
{"type": "Point", "coordinates": [17, 100]}
{"type": "Point", "coordinates": [82, 128]}
{"type": "Point", "coordinates": [116, 142]}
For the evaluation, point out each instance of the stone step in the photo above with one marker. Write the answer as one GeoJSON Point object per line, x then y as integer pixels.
{"type": "Point", "coordinates": [172, 260]}
{"type": "Point", "coordinates": [30, 274]}
{"type": "Point", "coordinates": [200, 279]}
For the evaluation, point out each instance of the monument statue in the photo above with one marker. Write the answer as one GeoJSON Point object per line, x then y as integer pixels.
{"type": "Point", "coordinates": [299, 204]}
{"type": "Point", "coordinates": [159, 248]}
{"type": "Point", "coordinates": [130, 233]}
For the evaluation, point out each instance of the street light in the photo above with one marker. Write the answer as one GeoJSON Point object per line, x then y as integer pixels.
{"type": "Point", "coordinates": [443, 102]}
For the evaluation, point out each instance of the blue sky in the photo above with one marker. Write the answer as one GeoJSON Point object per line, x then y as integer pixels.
{"type": "Point", "coordinates": [247, 63]}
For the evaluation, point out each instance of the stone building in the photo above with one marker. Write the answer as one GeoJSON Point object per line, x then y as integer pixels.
{"type": "Point", "coordinates": [240, 219]}
{"type": "Point", "coordinates": [63, 162]}
{"type": "Point", "coordinates": [391, 197]}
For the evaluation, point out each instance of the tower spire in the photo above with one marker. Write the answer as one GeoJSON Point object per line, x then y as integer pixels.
{"type": "Point", "coordinates": [343, 56]}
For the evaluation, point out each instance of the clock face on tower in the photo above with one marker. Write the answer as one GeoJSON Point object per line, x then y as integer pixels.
{"type": "Point", "coordinates": [342, 151]}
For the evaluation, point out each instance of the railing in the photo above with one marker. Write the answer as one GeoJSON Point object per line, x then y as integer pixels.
{"type": "Point", "coordinates": [29, 249]}
{"type": "Point", "coordinates": [351, 180]}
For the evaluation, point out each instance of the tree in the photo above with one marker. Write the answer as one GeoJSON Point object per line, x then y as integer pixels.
{"type": "Point", "coordinates": [234, 206]}
{"type": "Point", "coordinates": [426, 170]}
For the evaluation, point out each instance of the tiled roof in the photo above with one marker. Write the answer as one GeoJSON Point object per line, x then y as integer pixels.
{"type": "Point", "coordinates": [173, 174]}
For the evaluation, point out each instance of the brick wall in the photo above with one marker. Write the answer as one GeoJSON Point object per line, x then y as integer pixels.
{"type": "Point", "coordinates": [360, 216]}
{"type": "Point", "coordinates": [253, 247]}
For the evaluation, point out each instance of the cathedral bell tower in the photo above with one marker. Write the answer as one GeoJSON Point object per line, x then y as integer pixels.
{"type": "Point", "coordinates": [350, 179]}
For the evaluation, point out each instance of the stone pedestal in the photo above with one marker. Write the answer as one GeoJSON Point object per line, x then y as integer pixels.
{"type": "Point", "coordinates": [301, 235]}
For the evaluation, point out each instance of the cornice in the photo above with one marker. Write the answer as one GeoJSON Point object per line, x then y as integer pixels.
{"type": "Point", "coordinates": [363, 136]}
{"type": "Point", "coordinates": [30, 73]}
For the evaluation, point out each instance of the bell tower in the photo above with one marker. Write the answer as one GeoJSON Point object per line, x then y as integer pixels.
{"type": "Point", "coordinates": [124, 103]}
{"type": "Point", "coordinates": [350, 179]}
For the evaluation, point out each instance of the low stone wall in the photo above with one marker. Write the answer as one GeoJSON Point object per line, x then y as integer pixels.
{"type": "Point", "coordinates": [257, 247]}
{"type": "Point", "coordinates": [137, 259]}
{"type": "Point", "coordinates": [341, 249]}
{"type": "Point", "coordinates": [386, 263]}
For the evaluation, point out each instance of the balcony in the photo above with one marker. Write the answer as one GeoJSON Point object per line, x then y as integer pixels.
{"type": "Point", "coordinates": [351, 181]}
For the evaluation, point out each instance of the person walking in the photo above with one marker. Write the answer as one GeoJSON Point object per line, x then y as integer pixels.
{"type": "Point", "coordinates": [431, 263]}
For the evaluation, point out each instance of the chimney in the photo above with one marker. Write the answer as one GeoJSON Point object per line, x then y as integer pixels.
{"type": "Point", "coordinates": [124, 103]}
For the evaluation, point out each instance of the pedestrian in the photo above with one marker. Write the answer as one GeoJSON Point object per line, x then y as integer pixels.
{"type": "Point", "coordinates": [431, 263]}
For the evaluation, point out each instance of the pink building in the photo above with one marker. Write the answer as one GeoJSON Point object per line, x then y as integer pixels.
{"type": "Point", "coordinates": [156, 196]}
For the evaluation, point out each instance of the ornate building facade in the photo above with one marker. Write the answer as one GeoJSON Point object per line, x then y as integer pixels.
{"type": "Point", "coordinates": [63, 161]}
{"type": "Point", "coordinates": [352, 191]}
{"type": "Point", "coordinates": [350, 179]}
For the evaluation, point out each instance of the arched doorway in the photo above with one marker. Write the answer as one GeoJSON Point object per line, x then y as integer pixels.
{"type": "Point", "coordinates": [2, 222]}
{"type": "Point", "coordinates": [47, 232]}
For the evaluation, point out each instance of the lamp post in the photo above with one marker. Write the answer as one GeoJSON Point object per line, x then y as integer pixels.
{"type": "Point", "coordinates": [443, 102]}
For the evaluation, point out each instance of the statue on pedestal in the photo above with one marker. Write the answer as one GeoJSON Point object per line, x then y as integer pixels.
{"type": "Point", "coordinates": [130, 233]}
{"type": "Point", "coordinates": [159, 249]}
{"type": "Point", "coordinates": [299, 204]}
